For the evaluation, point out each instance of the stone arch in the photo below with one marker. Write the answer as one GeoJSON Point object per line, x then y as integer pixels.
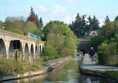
{"type": "Point", "coordinates": [36, 49]}
{"type": "Point", "coordinates": [15, 44]}
{"type": "Point", "coordinates": [40, 49]}
{"type": "Point", "coordinates": [32, 50]}
{"type": "Point", "coordinates": [26, 49]}
{"type": "Point", "coordinates": [2, 48]}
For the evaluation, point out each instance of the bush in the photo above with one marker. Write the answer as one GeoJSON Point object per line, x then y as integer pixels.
{"type": "Point", "coordinates": [49, 53]}
{"type": "Point", "coordinates": [96, 41]}
{"type": "Point", "coordinates": [108, 54]}
{"type": "Point", "coordinates": [101, 58]}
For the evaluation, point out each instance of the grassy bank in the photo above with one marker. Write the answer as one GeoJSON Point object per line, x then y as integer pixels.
{"type": "Point", "coordinates": [10, 66]}
{"type": "Point", "coordinates": [113, 74]}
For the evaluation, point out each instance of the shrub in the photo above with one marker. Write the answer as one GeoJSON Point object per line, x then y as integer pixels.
{"type": "Point", "coordinates": [108, 54]}
{"type": "Point", "coordinates": [49, 52]}
{"type": "Point", "coordinates": [96, 41]}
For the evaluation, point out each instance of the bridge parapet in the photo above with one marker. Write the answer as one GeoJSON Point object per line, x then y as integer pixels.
{"type": "Point", "coordinates": [15, 35]}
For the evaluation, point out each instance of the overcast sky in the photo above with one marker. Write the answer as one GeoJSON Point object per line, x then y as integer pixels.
{"type": "Point", "coordinates": [64, 10]}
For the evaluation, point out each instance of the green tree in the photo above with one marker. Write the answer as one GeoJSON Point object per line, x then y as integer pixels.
{"type": "Point", "coordinates": [107, 19]}
{"type": "Point", "coordinates": [116, 18]}
{"type": "Point", "coordinates": [94, 24]}
{"type": "Point", "coordinates": [60, 37]}
{"type": "Point", "coordinates": [50, 52]}
{"type": "Point", "coordinates": [14, 24]}
{"type": "Point", "coordinates": [1, 24]}
{"type": "Point", "coordinates": [38, 22]}
{"type": "Point", "coordinates": [108, 30]}
{"type": "Point", "coordinates": [41, 23]}
{"type": "Point", "coordinates": [32, 28]}
{"type": "Point", "coordinates": [79, 25]}
{"type": "Point", "coordinates": [82, 27]}
{"type": "Point", "coordinates": [89, 23]}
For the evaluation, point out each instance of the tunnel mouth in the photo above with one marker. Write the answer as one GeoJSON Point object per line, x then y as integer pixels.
{"type": "Point", "coordinates": [84, 51]}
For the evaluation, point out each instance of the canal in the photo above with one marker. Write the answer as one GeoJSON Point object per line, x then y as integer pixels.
{"type": "Point", "coordinates": [67, 73]}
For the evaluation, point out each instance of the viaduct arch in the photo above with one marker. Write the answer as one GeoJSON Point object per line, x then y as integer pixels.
{"type": "Point", "coordinates": [10, 41]}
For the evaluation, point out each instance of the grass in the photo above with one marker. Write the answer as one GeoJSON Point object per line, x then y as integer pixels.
{"type": "Point", "coordinates": [10, 66]}
{"type": "Point", "coordinates": [113, 74]}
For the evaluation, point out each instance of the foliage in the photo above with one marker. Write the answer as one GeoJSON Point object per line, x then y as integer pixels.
{"type": "Point", "coordinates": [114, 74]}
{"type": "Point", "coordinates": [14, 26]}
{"type": "Point", "coordinates": [31, 27]}
{"type": "Point", "coordinates": [108, 30]}
{"type": "Point", "coordinates": [106, 43]}
{"type": "Point", "coordinates": [96, 41]}
{"type": "Point", "coordinates": [50, 52]}
{"type": "Point", "coordinates": [110, 53]}
{"type": "Point", "coordinates": [59, 37]}
{"type": "Point", "coordinates": [41, 23]}
{"type": "Point", "coordinates": [82, 27]}
{"type": "Point", "coordinates": [1, 24]}
{"type": "Point", "coordinates": [20, 26]}
{"type": "Point", "coordinates": [107, 19]}
{"type": "Point", "coordinates": [34, 18]}
{"type": "Point", "coordinates": [116, 18]}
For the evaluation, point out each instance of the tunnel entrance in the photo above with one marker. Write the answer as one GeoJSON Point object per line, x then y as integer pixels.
{"type": "Point", "coordinates": [84, 46]}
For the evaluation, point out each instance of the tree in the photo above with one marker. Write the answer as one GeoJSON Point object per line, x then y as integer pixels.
{"type": "Point", "coordinates": [82, 27]}
{"type": "Point", "coordinates": [116, 18]}
{"type": "Point", "coordinates": [32, 17]}
{"type": "Point", "coordinates": [32, 28]}
{"type": "Point", "coordinates": [94, 24]}
{"type": "Point", "coordinates": [1, 24]}
{"type": "Point", "coordinates": [108, 30]}
{"type": "Point", "coordinates": [107, 19]}
{"type": "Point", "coordinates": [41, 23]}
{"type": "Point", "coordinates": [89, 24]}
{"type": "Point", "coordinates": [14, 24]}
{"type": "Point", "coordinates": [79, 25]}
{"type": "Point", "coordinates": [60, 37]}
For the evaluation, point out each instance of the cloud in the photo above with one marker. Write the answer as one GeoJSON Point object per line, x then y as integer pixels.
{"type": "Point", "coordinates": [68, 19]}
{"type": "Point", "coordinates": [101, 22]}
{"type": "Point", "coordinates": [42, 8]}
{"type": "Point", "coordinates": [59, 9]}
{"type": "Point", "coordinates": [14, 1]}
{"type": "Point", "coordinates": [69, 1]}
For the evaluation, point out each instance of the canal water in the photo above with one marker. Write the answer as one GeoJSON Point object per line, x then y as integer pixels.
{"type": "Point", "coordinates": [67, 73]}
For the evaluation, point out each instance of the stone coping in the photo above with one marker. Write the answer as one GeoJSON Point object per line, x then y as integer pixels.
{"type": "Point", "coordinates": [92, 65]}
{"type": "Point", "coordinates": [90, 68]}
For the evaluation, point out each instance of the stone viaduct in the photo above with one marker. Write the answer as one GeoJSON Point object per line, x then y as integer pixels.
{"type": "Point", "coordinates": [9, 42]}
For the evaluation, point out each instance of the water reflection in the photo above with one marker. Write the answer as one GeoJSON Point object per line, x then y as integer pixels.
{"type": "Point", "coordinates": [68, 73]}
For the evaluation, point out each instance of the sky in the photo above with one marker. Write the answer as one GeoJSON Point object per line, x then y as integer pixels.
{"type": "Point", "coordinates": [63, 10]}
